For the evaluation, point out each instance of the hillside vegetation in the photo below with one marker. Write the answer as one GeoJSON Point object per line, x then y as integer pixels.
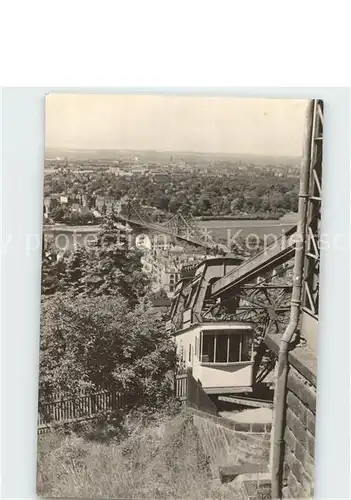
{"type": "Point", "coordinates": [161, 460]}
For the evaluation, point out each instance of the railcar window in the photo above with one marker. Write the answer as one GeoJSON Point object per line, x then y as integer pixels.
{"type": "Point", "coordinates": [224, 347]}
{"type": "Point", "coordinates": [208, 348]}
{"type": "Point", "coordinates": [221, 348]}
{"type": "Point", "coordinates": [235, 348]}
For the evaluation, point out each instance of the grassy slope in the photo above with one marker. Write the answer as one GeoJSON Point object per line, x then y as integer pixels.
{"type": "Point", "coordinates": [162, 460]}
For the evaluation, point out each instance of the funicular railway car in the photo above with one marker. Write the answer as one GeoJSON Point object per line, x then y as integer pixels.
{"type": "Point", "coordinates": [218, 353]}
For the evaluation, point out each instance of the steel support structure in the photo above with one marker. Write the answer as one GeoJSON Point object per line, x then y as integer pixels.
{"type": "Point", "coordinates": [265, 304]}
{"type": "Point", "coordinates": [310, 292]}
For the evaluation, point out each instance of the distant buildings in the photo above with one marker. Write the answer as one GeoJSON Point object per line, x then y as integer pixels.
{"type": "Point", "coordinates": [107, 205]}
{"type": "Point", "coordinates": [165, 266]}
{"type": "Point", "coordinates": [139, 170]}
{"type": "Point", "coordinates": [143, 242]}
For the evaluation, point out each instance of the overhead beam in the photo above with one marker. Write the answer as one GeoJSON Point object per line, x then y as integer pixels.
{"type": "Point", "coordinates": [280, 252]}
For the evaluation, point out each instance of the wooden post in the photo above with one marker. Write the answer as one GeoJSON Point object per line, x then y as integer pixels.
{"type": "Point", "coordinates": [188, 387]}
{"type": "Point", "coordinates": [113, 402]}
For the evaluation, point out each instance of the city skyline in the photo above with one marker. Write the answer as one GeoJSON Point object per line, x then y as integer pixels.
{"type": "Point", "coordinates": [208, 125]}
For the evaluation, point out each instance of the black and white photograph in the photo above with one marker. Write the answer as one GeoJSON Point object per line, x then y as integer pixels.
{"type": "Point", "coordinates": [179, 297]}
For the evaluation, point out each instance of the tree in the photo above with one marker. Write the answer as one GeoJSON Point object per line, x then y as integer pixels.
{"type": "Point", "coordinates": [207, 192]}
{"type": "Point", "coordinates": [235, 205]}
{"type": "Point", "coordinates": [52, 270]}
{"type": "Point", "coordinates": [175, 204]}
{"type": "Point", "coordinates": [204, 204]}
{"type": "Point", "coordinates": [160, 200]}
{"type": "Point", "coordinates": [77, 219]}
{"type": "Point", "coordinates": [98, 341]}
{"type": "Point", "coordinates": [159, 294]}
{"type": "Point", "coordinates": [75, 268]}
{"type": "Point", "coordinates": [106, 268]}
{"type": "Point", "coordinates": [59, 213]}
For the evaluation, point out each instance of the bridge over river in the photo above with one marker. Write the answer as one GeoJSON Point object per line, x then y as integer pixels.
{"type": "Point", "coordinates": [217, 229]}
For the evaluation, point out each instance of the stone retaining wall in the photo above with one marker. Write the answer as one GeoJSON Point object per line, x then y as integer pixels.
{"type": "Point", "coordinates": [227, 442]}
{"type": "Point", "coordinates": [299, 449]}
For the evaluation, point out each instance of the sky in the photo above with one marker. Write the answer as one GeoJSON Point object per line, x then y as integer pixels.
{"type": "Point", "coordinates": [176, 123]}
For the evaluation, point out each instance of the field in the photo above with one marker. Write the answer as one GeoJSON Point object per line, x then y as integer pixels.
{"type": "Point", "coordinates": [219, 229]}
